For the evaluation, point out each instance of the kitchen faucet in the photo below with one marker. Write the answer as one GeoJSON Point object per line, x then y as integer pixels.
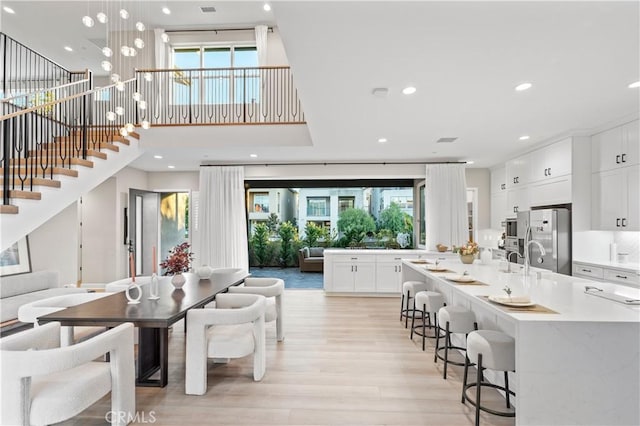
{"type": "Point", "coordinates": [509, 260]}
{"type": "Point", "coordinates": [527, 259]}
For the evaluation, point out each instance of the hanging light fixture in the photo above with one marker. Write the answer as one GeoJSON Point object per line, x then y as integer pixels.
{"type": "Point", "coordinates": [148, 76]}
{"type": "Point", "coordinates": [136, 96]}
{"type": "Point", "coordinates": [140, 26]}
{"type": "Point", "coordinates": [124, 132]}
{"type": "Point", "coordinates": [145, 124]}
{"type": "Point", "coordinates": [124, 14]}
{"type": "Point", "coordinates": [119, 110]}
{"type": "Point", "coordinates": [115, 78]}
{"type": "Point", "coordinates": [139, 43]}
{"type": "Point", "coordinates": [87, 21]}
{"type": "Point", "coordinates": [120, 86]}
{"type": "Point", "coordinates": [142, 104]}
{"type": "Point", "coordinates": [106, 65]}
{"type": "Point", "coordinates": [130, 127]}
{"type": "Point", "coordinates": [111, 116]}
{"type": "Point", "coordinates": [102, 18]}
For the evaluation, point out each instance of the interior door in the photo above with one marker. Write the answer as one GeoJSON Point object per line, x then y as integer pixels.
{"type": "Point", "coordinates": [143, 228]}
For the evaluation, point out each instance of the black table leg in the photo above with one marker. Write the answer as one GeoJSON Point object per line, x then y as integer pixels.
{"type": "Point", "coordinates": [153, 355]}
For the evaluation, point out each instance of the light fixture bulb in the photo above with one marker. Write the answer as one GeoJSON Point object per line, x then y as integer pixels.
{"type": "Point", "coordinates": [136, 96]}
{"type": "Point", "coordinates": [523, 86]}
{"type": "Point", "coordinates": [132, 51]}
{"type": "Point", "coordinates": [8, 10]}
{"type": "Point", "coordinates": [164, 37]}
{"type": "Point", "coordinates": [120, 86]}
{"type": "Point", "coordinates": [142, 104]}
{"type": "Point", "coordinates": [106, 51]}
{"type": "Point", "coordinates": [145, 124]}
{"type": "Point", "coordinates": [148, 76]}
{"type": "Point", "coordinates": [124, 132]}
{"type": "Point", "coordinates": [124, 14]}
{"type": "Point", "coordinates": [111, 116]}
{"type": "Point", "coordinates": [382, 140]}
{"type": "Point", "coordinates": [68, 48]}
{"type": "Point", "coordinates": [87, 21]}
{"type": "Point", "coordinates": [166, 11]}
{"type": "Point", "coordinates": [634, 85]}
{"type": "Point", "coordinates": [266, 7]}
{"type": "Point", "coordinates": [119, 110]}
{"type": "Point", "coordinates": [130, 127]}
{"type": "Point", "coordinates": [524, 137]}
{"type": "Point", "coordinates": [106, 65]}
{"type": "Point", "coordinates": [140, 26]}
{"type": "Point", "coordinates": [124, 50]}
{"type": "Point", "coordinates": [115, 78]}
{"type": "Point", "coordinates": [102, 17]}
{"type": "Point", "coordinates": [409, 90]}
{"type": "Point", "coordinates": [139, 43]}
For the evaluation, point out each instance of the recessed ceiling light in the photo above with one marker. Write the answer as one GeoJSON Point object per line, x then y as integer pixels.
{"type": "Point", "coordinates": [470, 162]}
{"type": "Point", "coordinates": [166, 11]}
{"type": "Point", "coordinates": [171, 167]}
{"type": "Point", "coordinates": [409, 90]}
{"type": "Point", "coordinates": [524, 137]}
{"type": "Point", "coordinates": [158, 157]}
{"type": "Point", "coordinates": [8, 10]}
{"type": "Point", "coordinates": [382, 140]}
{"type": "Point", "coordinates": [523, 86]}
{"type": "Point", "coordinates": [68, 49]}
{"type": "Point", "coordinates": [253, 155]}
{"type": "Point", "coordinates": [634, 85]}
{"type": "Point", "coordinates": [266, 7]}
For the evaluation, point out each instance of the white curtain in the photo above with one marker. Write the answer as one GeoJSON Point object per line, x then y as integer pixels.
{"type": "Point", "coordinates": [222, 218]}
{"type": "Point", "coordinates": [446, 205]}
{"type": "Point", "coordinates": [261, 44]}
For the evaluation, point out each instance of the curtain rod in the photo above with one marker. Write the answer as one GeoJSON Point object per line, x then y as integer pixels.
{"type": "Point", "coordinates": [270, 29]}
{"type": "Point", "coordinates": [385, 163]}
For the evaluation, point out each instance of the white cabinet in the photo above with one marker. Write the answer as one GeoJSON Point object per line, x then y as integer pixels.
{"type": "Point", "coordinates": [354, 273]}
{"type": "Point", "coordinates": [588, 271]}
{"type": "Point", "coordinates": [552, 191]}
{"type": "Point", "coordinates": [616, 199]}
{"type": "Point", "coordinates": [498, 180]}
{"type": "Point", "coordinates": [606, 274]}
{"type": "Point", "coordinates": [619, 276]}
{"type": "Point", "coordinates": [551, 161]}
{"type": "Point", "coordinates": [517, 171]}
{"type": "Point", "coordinates": [616, 148]}
{"type": "Point", "coordinates": [498, 209]}
{"type": "Point", "coordinates": [517, 201]}
{"type": "Point", "coordinates": [389, 272]}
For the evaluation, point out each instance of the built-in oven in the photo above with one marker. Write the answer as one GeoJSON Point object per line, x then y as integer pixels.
{"type": "Point", "coordinates": [512, 245]}
{"type": "Point", "coordinates": [512, 228]}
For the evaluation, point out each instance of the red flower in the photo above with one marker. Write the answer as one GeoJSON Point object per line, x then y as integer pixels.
{"type": "Point", "coordinates": [178, 260]}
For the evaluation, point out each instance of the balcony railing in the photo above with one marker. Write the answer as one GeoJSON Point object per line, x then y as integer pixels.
{"type": "Point", "coordinates": [25, 71]}
{"type": "Point", "coordinates": [261, 95]}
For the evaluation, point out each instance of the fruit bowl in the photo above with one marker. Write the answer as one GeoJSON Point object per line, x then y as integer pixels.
{"type": "Point", "coordinates": [442, 248]}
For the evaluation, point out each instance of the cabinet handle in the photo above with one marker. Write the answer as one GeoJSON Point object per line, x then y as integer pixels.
{"type": "Point", "coordinates": [586, 270]}
{"type": "Point", "coordinates": [351, 268]}
{"type": "Point", "coordinates": [617, 159]}
{"type": "Point", "coordinates": [354, 258]}
{"type": "Point", "coordinates": [623, 159]}
{"type": "Point", "coordinates": [395, 269]}
{"type": "Point", "coordinates": [356, 268]}
{"type": "Point", "coordinates": [624, 222]}
{"type": "Point", "coordinates": [618, 222]}
{"type": "Point", "coordinates": [549, 171]}
{"type": "Point", "coordinates": [400, 268]}
{"type": "Point", "coordinates": [621, 276]}
{"type": "Point", "coordinates": [515, 209]}
{"type": "Point", "coordinates": [545, 172]}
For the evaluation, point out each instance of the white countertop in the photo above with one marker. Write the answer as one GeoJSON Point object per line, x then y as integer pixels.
{"type": "Point", "coordinates": [627, 267]}
{"type": "Point", "coordinates": [378, 251]}
{"type": "Point", "coordinates": [561, 293]}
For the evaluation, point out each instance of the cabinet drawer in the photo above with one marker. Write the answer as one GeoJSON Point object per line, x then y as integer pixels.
{"type": "Point", "coordinates": [588, 271]}
{"type": "Point", "coordinates": [622, 277]}
{"type": "Point", "coordinates": [343, 258]}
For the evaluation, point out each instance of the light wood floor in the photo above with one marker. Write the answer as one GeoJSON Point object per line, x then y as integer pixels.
{"type": "Point", "coordinates": [344, 361]}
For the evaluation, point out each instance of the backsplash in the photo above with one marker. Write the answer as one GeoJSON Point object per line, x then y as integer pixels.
{"type": "Point", "coordinates": [594, 245]}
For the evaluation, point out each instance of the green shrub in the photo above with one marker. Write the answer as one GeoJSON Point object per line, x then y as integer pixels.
{"type": "Point", "coordinates": [354, 224]}
{"type": "Point", "coordinates": [288, 236]}
{"type": "Point", "coordinates": [259, 243]}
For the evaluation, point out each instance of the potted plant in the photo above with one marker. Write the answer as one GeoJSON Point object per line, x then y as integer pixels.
{"type": "Point", "coordinates": [177, 262]}
{"type": "Point", "coordinates": [467, 252]}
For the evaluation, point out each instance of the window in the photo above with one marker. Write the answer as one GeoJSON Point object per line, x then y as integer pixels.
{"type": "Point", "coordinates": [220, 83]}
{"type": "Point", "coordinates": [345, 203]}
{"type": "Point", "coordinates": [423, 233]}
{"type": "Point", "coordinates": [318, 206]}
{"type": "Point", "coordinates": [403, 202]}
{"type": "Point", "coordinates": [260, 202]}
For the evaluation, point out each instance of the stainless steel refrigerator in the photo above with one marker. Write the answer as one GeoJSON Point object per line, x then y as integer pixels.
{"type": "Point", "coordinates": [552, 229]}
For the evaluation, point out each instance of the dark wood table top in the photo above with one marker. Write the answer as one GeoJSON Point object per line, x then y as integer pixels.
{"type": "Point", "coordinates": [172, 306]}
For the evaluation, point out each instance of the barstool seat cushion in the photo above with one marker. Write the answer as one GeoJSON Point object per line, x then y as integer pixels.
{"type": "Point", "coordinates": [432, 300]}
{"type": "Point", "coordinates": [497, 348]}
{"type": "Point", "coordinates": [460, 320]}
{"type": "Point", "coordinates": [413, 287]}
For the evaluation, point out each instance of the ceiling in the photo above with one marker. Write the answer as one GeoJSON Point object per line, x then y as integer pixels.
{"type": "Point", "coordinates": [464, 58]}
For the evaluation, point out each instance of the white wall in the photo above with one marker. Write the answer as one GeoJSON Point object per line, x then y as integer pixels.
{"type": "Point", "coordinates": [173, 181]}
{"type": "Point", "coordinates": [481, 179]}
{"type": "Point", "coordinates": [54, 245]}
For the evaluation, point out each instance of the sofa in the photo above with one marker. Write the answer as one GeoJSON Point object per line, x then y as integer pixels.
{"type": "Point", "coordinates": [17, 290]}
{"type": "Point", "coordinates": [311, 259]}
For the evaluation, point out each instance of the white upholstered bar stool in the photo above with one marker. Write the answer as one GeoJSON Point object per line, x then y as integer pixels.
{"type": "Point", "coordinates": [491, 350]}
{"type": "Point", "coordinates": [407, 305]}
{"type": "Point", "coordinates": [455, 320]}
{"type": "Point", "coordinates": [427, 302]}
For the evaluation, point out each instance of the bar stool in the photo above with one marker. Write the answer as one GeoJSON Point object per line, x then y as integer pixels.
{"type": "Point", "coordinates": [429, 303]}
{"type": "Point", "coordinates": [491, 350]}
{"type": "Point", "coordinates": [455, 319]}
{"type": "Point", "coordinates": [409, 290]}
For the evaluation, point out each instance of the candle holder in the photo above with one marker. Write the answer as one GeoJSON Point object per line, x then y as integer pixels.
{"type": "Point", "coordinates": [137, 291]}
{"type": "Point", "coordinates": [153, 288]}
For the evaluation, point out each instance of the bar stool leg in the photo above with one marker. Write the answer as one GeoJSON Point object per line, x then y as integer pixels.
{"type": "Point", "coordinates": [506, 386]}
{"type": "Point", "coordinates": [435, 354]}
{"type": "Point", "coordinates": [478, 387]}
{"type": "Point", "coordinates": [406, 318]}
{"type": "Point", "coordinates": [464, 377]}
{"type": "Point", "coordinates": [424, 308]}
{"type": "Point", "coordinates": [413, 319]}
{"type": "Point", "coordinates": [446, 350]}
{"type": "Point", "coordinates": [401, 306]}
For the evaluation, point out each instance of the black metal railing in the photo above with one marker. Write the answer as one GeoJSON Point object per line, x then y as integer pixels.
{"type": "Point", "coordinates": [259, 95]}
{"type": "Point", "coordinates": [24, 71]}
{"type": "Point", "coordinates": [38, 139]}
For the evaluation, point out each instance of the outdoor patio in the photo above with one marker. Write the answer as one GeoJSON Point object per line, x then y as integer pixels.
{"type": "Point", "coordinates": [292, 277]}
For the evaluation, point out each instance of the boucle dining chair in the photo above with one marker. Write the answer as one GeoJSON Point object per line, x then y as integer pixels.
{"type": "Point", "coordinates": [273, 290]}
{"type": "Point", "coordinates": [30, 312]}
{"type": "Point", "coordinates": [121, 285]}
{"type": "Point", "coordinates": [43, 383]}
{"type": "Point", "coordinates": [234, 328]}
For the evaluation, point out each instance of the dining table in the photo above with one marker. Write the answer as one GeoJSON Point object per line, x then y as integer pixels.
{"type": "Point", "coordinates": [577, 342]}
{"type": "Point", "coordinates": [152, 316]}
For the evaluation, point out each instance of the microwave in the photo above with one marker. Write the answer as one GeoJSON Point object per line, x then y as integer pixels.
{"type": "Point", "coordinates": [511, 227]}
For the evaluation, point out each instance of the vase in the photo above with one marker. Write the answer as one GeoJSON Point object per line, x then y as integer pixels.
{"type": "Point", "coordinates": [178, 280]}
{"type": "Point", "coordinates": [467, 258]}
{"type": "Point", "coordinates": [204, 272]}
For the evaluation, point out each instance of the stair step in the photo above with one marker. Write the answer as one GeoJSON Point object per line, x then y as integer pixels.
{"type": "Point", "coordinates": [25, 195]}
{"type": "Point", "coordinates": [35, 181]}
{"type": "Point", "coordinates": [135, 135]}
{"type": "Point", "coordinates": [53, 153]}
{"type": "Point", "coordinates": [98, 145]}
{"type": "Point", "coordinates": [8, 209]}
{"type": "Point", "coordinates": [40, 172]}
{"type": "Point", "coordinates": [96, 139]}
{"type": "Point", "coordinates": [73, 161]}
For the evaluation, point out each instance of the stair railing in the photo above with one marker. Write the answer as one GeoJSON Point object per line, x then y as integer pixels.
{"type": "Point", "coordinates": [253, 95]}
{"type": "Point", "coordinates": [38, 140]}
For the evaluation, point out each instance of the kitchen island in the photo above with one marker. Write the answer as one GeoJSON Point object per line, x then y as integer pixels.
{"type": "Point", "coordinates": [576, 365]}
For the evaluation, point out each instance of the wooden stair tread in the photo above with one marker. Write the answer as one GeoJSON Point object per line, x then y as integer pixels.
{"type": "Point", "coordinates": [52, 154]}
{"type": "Point", "coordinates": [51, 183]}
{"type": "Point", "coordinates": [73, 161]}
{"type": "Point", "coordinates": [8, 209]}
{"type": "Point", "coordinates": [56, 171]}
{"type": "Point", "coordinates": [109, 139]}
{"type": "Point", "coordinates": [25, 195]}
{"type": "Point", "coordinates": [97, 146]}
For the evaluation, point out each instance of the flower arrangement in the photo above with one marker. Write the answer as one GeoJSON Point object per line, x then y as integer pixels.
{"type": "Point", "coordinates": [469, 248]}
{"type": "Point", "coordinates": [178, 260]}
